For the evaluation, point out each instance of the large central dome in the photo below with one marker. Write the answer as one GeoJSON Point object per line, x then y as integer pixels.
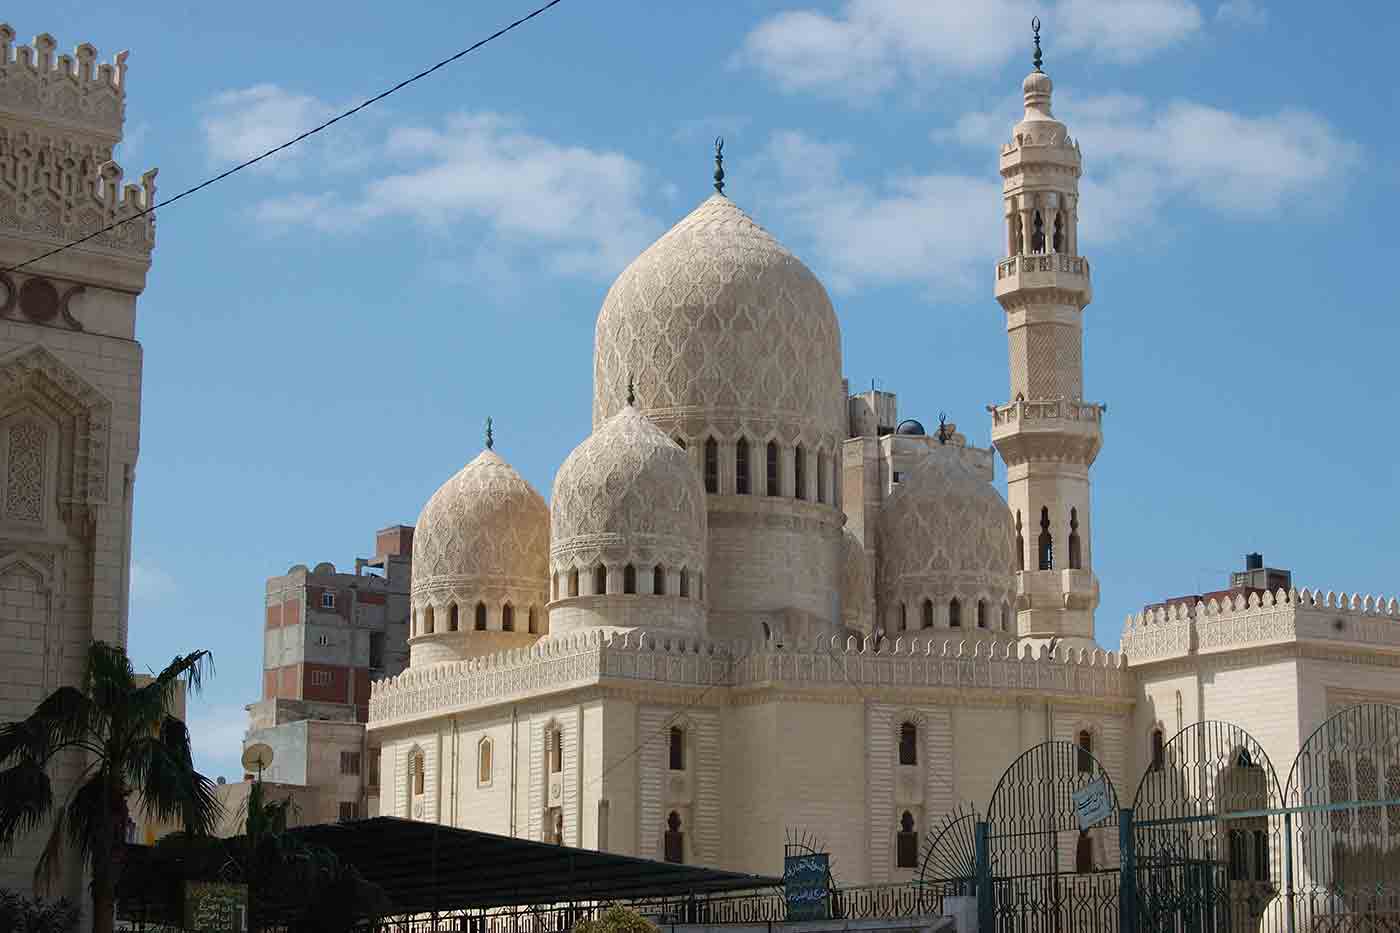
{"type": "Point", "coordinates": [721, 327]}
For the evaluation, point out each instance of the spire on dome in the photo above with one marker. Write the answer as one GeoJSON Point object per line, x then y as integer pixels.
{"type": "Point", "coordinates": [631, 391]}
{"type": "Point", "coordinates": [490, 438]}
{"type": "Point", "coordinates": [1035, 30]}
{"type": "Point", "coordinates": [719, 164]}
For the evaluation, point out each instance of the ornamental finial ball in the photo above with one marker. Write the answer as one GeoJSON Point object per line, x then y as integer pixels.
{"type": "Point", "coordinates": [1035, 30]}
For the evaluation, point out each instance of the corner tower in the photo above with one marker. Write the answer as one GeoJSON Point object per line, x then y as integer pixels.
{"type": "Point", "coordinates": [1047, 434]}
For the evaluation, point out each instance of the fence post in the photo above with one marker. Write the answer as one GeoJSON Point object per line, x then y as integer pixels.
{"type": "Point", "coordinates": [1288, 871]}
{"type": "Point", "coordinates": [986, 913]}
{"type": "Point", "coordinates": [1127, 873]}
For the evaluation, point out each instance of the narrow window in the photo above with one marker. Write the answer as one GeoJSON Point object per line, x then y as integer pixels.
{"type": "Point", "coordinates": [1261, 855]}
{"type": "Point", "coordinates": [658, 580]}
{"type": "Point", "coordinates": [1074, 558]}
{"type": "Point", "coordinates": [1047, 544]}
{"type": "Point", "coordinates": [554, 743]}
{"type": "Point", "coordinates": [1084, 757]}
{"type": "Point", "coordinates": [573, 582]}
{"type": "Point", "coordinates": [416, 765]}
{"type": "Point", "coordinates": [772, 488]}
{"type": "Point", "coordinates": [376, 650]}
{"type": "Point", "coordinates": [323, 640]}
{"type": "Point", "coordinates": [507, 618]}
{"type": "Point", "coordinates": [1084, 853]}
{"type": "Point", "coordinates": [700, 585]}
{"type": "Point", "coordinates": [350, 763]}
{"type": "Point", "coordinates": [327, 600]}
{"type": "Point", "coordinates": [896, 477]}
{"type": "Point", "coordinates": [685, 582]}
{"type": "Point", "coordinates": [1180, 721]}
{"type": "Point", "coordinates": [928, 613]}
{"type": "Point", "coordinates": [908, 744]}
{"type": "Point", "coordinates": [821, 476]}
{"type": "Point", "coordinates": [1037, 234]}
{"type": "Point", "coordinates": [675, 839]}
{"type": "Point", "coordinates": [981, 613]}
{"type": "Point", "coordinates": [349, 810]}
{"type": "Point", "coordinates": [481, 617]}
{"type": "Point", "coordinates": [903, 620]}
{"type": "Point", "coordinates": [1058, 240]}
{"type": "Point", "coordinates": [428, 621]}
{"type": "Point", "coordinates": [1020, 544]}
{"type": "Point", "coordinates": [1018, 230]}
{"type": "Point", "coordinates": [711, 466]}
{"type": "Point", "coordinates": [483, 762]}
{"type": "Point", "coordinates": [1159, 753]}
{"type": "Point", "coordinates": [799, 473]}
{"type": "Point", "coordinates": [907, 845]}
{"type": "Point", "coordinates": [629, 579]}
{"type": "Point", "coordinates": [534, 622]}
{"type": "Point", "coordinates": [600, 580]}
{"type": "Point", "coordinates": [741, 466]}
{"type": "Point", "coordinates": [954, 613]}
{"type": "Point", "coordinates": [1005, 617]}
{"type": "Point", "coordinates": [677, 748]}
{"type": "Point", "coordinates": [554, 583]}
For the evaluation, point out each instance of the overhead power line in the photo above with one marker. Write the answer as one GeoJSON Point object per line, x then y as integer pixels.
{"type": "Point", "coordinates": [292, 142]}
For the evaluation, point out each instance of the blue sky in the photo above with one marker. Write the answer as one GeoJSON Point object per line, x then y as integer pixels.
{"type": "Point", "coordinates": [325, 334]}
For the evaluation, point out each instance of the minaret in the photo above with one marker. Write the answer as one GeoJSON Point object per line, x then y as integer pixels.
{"type": "Point", "coordinates": [1047, 434]}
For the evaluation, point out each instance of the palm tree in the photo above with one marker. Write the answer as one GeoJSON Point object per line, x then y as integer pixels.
{"type": "Point", "coordinates": [122, 734]}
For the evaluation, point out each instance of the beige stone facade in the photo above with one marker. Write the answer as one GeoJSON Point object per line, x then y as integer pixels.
{"type": "Point", "coordinates": [70, 375]}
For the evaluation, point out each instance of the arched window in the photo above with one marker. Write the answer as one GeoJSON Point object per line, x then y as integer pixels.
{"type": "Point", "coordinates": [1037, 234]}
{"type": "Point", "coordinates": [677, 748]}
{"type": "Point", "coordinates": [903, 619]}
{"type": "Point", "coordinates": [534, 622]}
{"type": "Point", "coordinates": [675, 839]}
{"type": "Point", "coordinates": [428, 621]}
{"type": "Point", "coordinates": [799, 473]}
{"type": "Point", "coordinates": [928, 613]}
{"type": "Point", "coordinates": [821, 476]}
{"type": "Point", "coordinates": [772, 487]}
{"type": "Point", "coordinates": [908, 744]}
{"type": "Point", "coordinates": [600, 580]}
{"type": "Point", "coordinates": [954, 613]}
{"type": "Point", "coordinates": [685, 582]}
{"type": "Point", "coordinates": [1046, 544]}
{"type": "Point", "coordinates": [1158, 750]}
{"type": "Point", "coordinates": [507, 618]}
{"type": "Point", "coordinates": [1020, 544]}
{"type": "Point", "coordinates": [483, 762]}
{"type": "Point", "coordinates": [416, 769]}
{"type": "Point", "coordinates": [1074, 558]}
{"type": "Point", "coordinates": [711, 465]}
{"type": "Point", "coordinates": [1084, 758]}
{"type": "Point", "coordinates": [741, 466]}
{"type": "Point", "coordinates": [481, 617]}
{"type": "Point", "coordinates": [573, 582]}
{"type": "Point", "coordinates": [554, 749]}
{"type": "Point", "coordinates": [1058, 240]}
{"type": "Point", "coordinates": [1084, 853]}
{"type": "Point", "coordinates": [452, 618]}
{"type": "Point", "coordinates": [907, 843]}
{"type": "Point", "coordinates": [629, 579]}
{"type": "Point", "coordinates": [658, 580]}
{"type": "Point", "coordinates": [981, 613]}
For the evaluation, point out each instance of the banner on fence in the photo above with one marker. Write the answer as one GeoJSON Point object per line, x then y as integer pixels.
{"type": "Point", "coordinates": [1092, 803]}
{"type": "Point", "coordinates": [807, 886]}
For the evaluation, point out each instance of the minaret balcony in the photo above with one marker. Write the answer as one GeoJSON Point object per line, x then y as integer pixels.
{"type": "Point", "coordinates": [1067, 426]}
{"type": "Point", "coordinates": [1045, 271]}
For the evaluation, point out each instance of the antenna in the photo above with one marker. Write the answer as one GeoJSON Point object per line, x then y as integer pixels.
{"type": "Point", "coordinates": [256, 757]}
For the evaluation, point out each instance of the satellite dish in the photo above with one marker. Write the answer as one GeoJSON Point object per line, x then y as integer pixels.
{"type": "Point", "coordinates": [257, 757]}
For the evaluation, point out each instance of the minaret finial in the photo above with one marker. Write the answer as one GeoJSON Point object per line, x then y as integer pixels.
{"type": "Point", "coordinates": [942, 427]}
{"type": "Point", "coordinates": [490, 437]}
{"type": "Point", "coordinates": [631, 391]}
{"type": "Point", "coordinates": [719, 164]}
{"type": "Point", "coordinates": [1035, 29]}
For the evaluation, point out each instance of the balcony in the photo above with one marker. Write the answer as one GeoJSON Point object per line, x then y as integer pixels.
{"type": "Point", "coordinates": [1044, 271]}
{"type": "Point", "coordinates": [1069, 426]}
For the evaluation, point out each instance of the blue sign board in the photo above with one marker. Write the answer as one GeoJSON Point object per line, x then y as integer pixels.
{"type": "Point", "coordinates": [807, 886]}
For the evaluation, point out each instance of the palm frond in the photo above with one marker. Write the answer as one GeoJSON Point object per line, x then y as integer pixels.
{"type": "Point", "coordinates": [26, 799]}
{"type": "Point", "coordinates": [108, 679]}
{"type": "Point", "coordinates": [64, 717]}
{"type": "Point", "coordinates": [162, 772]}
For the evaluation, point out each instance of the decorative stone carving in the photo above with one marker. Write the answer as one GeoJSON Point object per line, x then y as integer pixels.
{"type": "Point", "coordinates": [83, 413]}
{"type": "Point", "coordinates": [628, 493]}
{"type": "Point", "coordinates": [24, 480]}
{"type": "Point", "coordinates": [717, 322]}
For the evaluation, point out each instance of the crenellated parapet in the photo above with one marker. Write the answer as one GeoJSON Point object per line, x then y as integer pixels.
{"type": "Point", "coordinates": [840, 664]}
{"type": "Point", "coordinates": [60, 117]}
{"type": "Point", "coordinates": [1248, 621]}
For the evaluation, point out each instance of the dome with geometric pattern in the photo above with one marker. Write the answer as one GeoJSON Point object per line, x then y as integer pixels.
{"type": "Point", "coordinates": [945, 533]}
{"type": "Point", "coordinates": [719, 324]}
{"type": "Point", "coordinates": [628, 495]}
{"type": "Point", "coordinates": [486, 528]}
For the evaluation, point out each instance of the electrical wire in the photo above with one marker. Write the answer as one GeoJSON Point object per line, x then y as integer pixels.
{"type": "Point", "coordinates": [291, 142]}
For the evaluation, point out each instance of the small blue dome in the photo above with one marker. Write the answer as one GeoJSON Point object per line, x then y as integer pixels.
{"type": "Point", "coordinates": [910, 427]}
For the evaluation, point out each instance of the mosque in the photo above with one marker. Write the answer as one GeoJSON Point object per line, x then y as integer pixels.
{"type": "Point", "coordinates": [757, 604]}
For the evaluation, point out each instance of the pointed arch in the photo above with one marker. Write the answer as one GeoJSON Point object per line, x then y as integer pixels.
{"type": "Point", "coordinates": [741, 466]}
{"type": "Point", "coordinates": [534, 621]}
{"type": "Point", "coordinates": [453, 618]}
{"type": "Point", "coordinates": [685, 582]}
{"type": "Point", "coordinates": [1045, 546]}
{"type": "Point", "coordinates": [711, 465]}
{"type": "Point", "coordinates": [928, 613]}
{"type": "Point", "coordinates": [658, 580]}
{"type": "Point", "coordinates": [573, 582]}
{"type": "Point", "coordinates": [629, 578]}
{"type": "Point", "coordinates": [954, 613]}
{"type": "Point", "coordinates": [1075, 560]}
{"type": "Point", "coordinates": [799, 472]}
{"type": "Point", "coordinates": [480, 617]}
{"type": "Point", "coordinates": [600, 580]}
{"type": "Point", "coordinates": [772, 488]}
{"type": "Point", "coordinates": [507, 618]}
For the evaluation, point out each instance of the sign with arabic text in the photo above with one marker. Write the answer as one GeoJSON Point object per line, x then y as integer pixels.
{"type": "Point", "coordinates": [807, 886]}
{"type": "Point", "coordinates": [215, 907]}
{"type": "Point", "coordinates": [1092, 804]}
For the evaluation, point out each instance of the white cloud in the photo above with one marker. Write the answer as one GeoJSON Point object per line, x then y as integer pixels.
{"type": "Point", "coordinates": [247, 122]}
{"type": "Point", "coordinates": [579, 210]}
{"type": "Point", "coordinates": [150, 584]}
{"type": "Point", "coordinates": [216, 738]}
{"type": "Point", "coordinates": [873, 45]}
{"type": "Point", "coordinates": [1242, 13]}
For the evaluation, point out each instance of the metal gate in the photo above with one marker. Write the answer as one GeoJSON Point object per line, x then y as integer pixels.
{"type": "Point", "coordinates": [1038, 872]}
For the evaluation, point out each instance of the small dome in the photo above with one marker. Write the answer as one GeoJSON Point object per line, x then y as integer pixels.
{"type": "Point", "coordinates": [486, 528]}
{"type": "Point", "coordinates": [944, 533]}
{"type": "Point", "coordinates": [628, 494]}
{"type": "Point", "coordinates": [718, 322]}
{"type": "Point", "coordinates": [910, 428]}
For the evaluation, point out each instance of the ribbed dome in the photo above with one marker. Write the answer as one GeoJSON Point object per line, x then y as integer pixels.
{"type": "Point", "coordinates": [485, 527]}
{"type": "Point", "coordinates": [944, 532]}
{"type": "Point", "coordinates": [628, 494]}
{"type": "Point", "coordinates": [717, 322]}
